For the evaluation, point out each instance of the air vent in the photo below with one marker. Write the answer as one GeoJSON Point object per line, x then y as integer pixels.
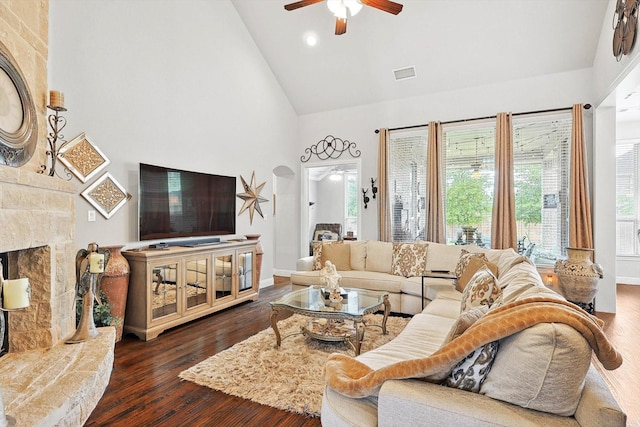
{"type": "Point", "coordinates": [405, 73]}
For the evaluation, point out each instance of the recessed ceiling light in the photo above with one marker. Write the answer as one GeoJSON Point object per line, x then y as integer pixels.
{"type": "Point", "coordinates": [310, 40]}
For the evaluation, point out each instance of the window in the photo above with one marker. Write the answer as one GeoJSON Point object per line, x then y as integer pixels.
{"type": "Point", "coordinates": [469, 152]}
{"type": "Point", "coordinates": [541, 160]}
{"type": "Point", "coordinates": [541, 183]}
{"type": "Point", "coordinates": [627, 197]}
{"type": "Point", "coordinates": [407, 184]}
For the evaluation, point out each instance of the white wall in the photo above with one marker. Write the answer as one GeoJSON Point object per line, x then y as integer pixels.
{"type": "Point", "coordinates": [177, 84]}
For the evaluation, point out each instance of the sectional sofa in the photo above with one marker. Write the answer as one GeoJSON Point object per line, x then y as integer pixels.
{"type": "Point", "coordinates": [492, 347]}
{"type": "Point", "coordinates": [371, 265]}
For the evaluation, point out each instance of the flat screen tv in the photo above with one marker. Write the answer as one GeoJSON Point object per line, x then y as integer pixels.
{"type": "Point", "coordinates": [177, 203]}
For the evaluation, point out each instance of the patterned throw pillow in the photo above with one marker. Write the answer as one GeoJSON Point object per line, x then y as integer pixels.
{"type": "Point", "coordinates": [317, 253]}
{"type": "Point", "coordinates": [468, 264]}
{"type": "Point", "coordinates": [470, 372]}
{"type": "Point", "coordinates": [481, 290]}
{"type": "Point", "coordinates": [409, 259]}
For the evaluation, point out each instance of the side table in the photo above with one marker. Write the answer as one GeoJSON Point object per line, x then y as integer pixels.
{"type": "Point", "coordinates": [440, 274]}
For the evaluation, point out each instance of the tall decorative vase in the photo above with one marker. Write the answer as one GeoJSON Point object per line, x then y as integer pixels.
{"type": "Point", "coordinates": [115, 285]}
{"type": "Point", "coordinates": [578, 276]}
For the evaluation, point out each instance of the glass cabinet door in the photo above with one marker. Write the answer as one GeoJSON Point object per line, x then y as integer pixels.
{"type": "Point", "coordinates": [196, 282]}
{"type": "Point", "coordinates": [164, 290]}
{"type": "Point", "coordinates": [245, 270]}
{"type": "Point", "coordinates": [223, 275]}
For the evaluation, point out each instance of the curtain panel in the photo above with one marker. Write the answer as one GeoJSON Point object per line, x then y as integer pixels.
{"type": "Point", "coordinates": [503, 229]}
{"type": "Point", "coordinates": [580, 225]}
{"type": "Point", "coordinates": [435, 221]}
{"type": "Point", "coordinates": [384, 215]}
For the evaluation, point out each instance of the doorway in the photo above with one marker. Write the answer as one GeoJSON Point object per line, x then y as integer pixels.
{"type": "Point", "coordinates": [330, 193]}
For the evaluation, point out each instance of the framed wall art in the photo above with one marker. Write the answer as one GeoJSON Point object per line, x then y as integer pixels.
{"type": "Point", "coordinates": [106, 195]}
{"type": "Point", "coordinates": [82, 157]}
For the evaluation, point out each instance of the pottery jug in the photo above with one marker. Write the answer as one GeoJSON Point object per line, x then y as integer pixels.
{"type": "Point", "coordinates": [115, 285]}
{"type": "Point", "coordinates": [578, 276]}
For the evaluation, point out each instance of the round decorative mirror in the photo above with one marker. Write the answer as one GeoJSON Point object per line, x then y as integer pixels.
{"type": "Point", "coordinates": [18, 122]}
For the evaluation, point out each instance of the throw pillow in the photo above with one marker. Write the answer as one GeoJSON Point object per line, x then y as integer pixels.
{"type": "Point", "coordinates": [339, 255]}
{"type": "Point", "coordinates": [464, 321]}
{"type": "Point", "coordinates": [317, 253]}
{"type": "Point", "coordinates": [468, 264]}
{"type": "Point", "coordinates": [442, 257]}
{"type": "Point", "coordinates": [470, 372]}
{"type": "Point", "coordinates": [409, 259]}
{"type": "Point", "coordinates": [358, 254]}
{"type": "Point", "coordinates": [379, 256]}
{"type": "Point", "coordinates": [481, 290]}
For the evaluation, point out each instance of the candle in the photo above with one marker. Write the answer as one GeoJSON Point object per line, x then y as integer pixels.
{"type": "Point", "coordinates": [96, 263]}
{"type": "Point", "coordinates": [56, 99]}
{"type": "Point", "coordinates": [16, 293]}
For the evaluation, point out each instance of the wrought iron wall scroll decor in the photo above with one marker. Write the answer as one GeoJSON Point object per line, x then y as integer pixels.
{"type": "Point", "coordinates": [330, 148]}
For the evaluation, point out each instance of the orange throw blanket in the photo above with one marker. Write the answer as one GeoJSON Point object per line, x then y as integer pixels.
{"type": "Point", "coordinates": [352, 378]}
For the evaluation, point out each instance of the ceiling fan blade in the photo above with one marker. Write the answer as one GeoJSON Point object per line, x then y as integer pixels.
{"type": "Point", "coordinates": [384, 5]}
{"type": "Point", "coordinates": [341, 26]}
{"type": "Point", "coordinates": [301, 3]}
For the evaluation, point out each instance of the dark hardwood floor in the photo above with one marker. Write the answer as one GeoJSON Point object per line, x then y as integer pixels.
{"type": "Point", "coordinates": [145, 389]}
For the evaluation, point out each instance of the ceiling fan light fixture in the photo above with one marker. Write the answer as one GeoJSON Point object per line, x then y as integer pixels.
{"type": "Point", "coordinates": [339, 7]}
{"type": "Point", "coordinates": [354, 6]}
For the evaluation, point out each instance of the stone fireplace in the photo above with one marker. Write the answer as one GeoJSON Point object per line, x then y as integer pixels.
{"type": "Point", "coordinates": [45, 381]}
{"type": "Point", "coordinates": [37, 233]}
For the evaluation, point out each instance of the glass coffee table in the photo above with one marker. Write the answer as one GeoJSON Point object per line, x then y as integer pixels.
{"type": "Point", "coordinates": [328, 318]}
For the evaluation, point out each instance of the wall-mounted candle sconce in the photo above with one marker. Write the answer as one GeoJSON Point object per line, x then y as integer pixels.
{"type": "Point", "coordinates": [365, 198]}
{"type": "Point", "coordinates": [374, 189]}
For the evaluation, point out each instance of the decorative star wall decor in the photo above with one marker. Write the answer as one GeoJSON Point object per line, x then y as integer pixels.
{"type": "Point", "coordinates": [251, 197]}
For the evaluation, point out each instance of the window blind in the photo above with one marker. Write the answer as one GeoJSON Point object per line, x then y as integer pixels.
{"type": "Point", "coordinates": [407, 184]}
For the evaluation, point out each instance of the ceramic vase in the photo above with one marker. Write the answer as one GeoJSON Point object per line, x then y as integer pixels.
{"type": "Point", "coordinates": [115, 285]}
{"type": "Point", "coordinates": [578, 276]}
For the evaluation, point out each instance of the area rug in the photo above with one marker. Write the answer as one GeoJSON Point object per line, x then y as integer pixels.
{"type": "Point", "coordinates": [289, 377]}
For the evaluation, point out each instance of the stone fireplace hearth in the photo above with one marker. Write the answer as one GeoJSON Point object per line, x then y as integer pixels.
{"type": "Point", "coordinates": [45, 381]}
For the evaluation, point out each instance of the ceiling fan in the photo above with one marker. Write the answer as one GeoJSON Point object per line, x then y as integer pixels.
{"type": "Point", "coordinates": [340, 9]}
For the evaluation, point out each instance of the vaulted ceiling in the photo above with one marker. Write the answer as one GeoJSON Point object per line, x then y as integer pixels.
{"type": "Point", "coordinates": [452, 44]}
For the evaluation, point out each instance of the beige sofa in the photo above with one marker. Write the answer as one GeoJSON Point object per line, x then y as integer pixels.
{"type": "Point", "coordinates": [370, 267]}
{"type": "Point", "coordinates": [542, 375]}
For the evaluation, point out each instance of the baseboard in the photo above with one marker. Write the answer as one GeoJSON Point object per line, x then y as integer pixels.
{"type": "Point", "coordinates": [282, 273]}
{"type": "Point", "coordinates": [628, 280]}
{"type": "Point", "coordinates": [265, 283]}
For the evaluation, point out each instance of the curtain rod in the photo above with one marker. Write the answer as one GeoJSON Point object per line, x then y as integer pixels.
{"type": "Point", "coordinates": [553, 110]}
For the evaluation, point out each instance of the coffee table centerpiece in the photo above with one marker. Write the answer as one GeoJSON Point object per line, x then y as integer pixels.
{"type": "Point", "coordinates": [329, 321]}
